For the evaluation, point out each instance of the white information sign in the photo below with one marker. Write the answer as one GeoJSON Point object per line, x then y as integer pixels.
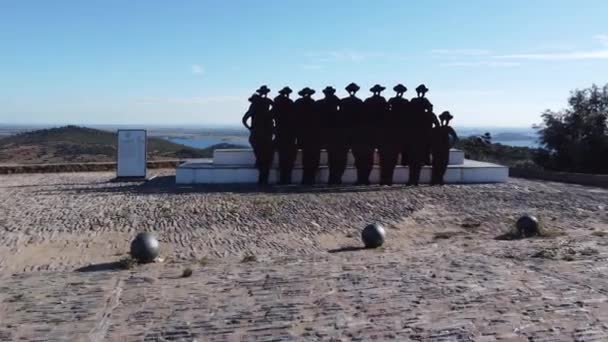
{"type": "Point", "coordinates": [131, 155]}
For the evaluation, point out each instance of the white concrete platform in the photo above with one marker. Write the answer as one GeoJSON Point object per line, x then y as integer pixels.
{"type": "Point", "coordinates": [246, 157]}
{"type": "Point", "coordinates": [206, 172]}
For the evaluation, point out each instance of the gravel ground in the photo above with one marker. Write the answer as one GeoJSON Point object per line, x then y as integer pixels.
{"type": "Point", "coordinates": [441, 276]}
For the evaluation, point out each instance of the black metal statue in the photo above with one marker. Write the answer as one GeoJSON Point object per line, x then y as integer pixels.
{"type": "Point", "coordinates": [261, 131]}
{"type": "Point", "coordinates": [421, 103]}
{"type": "Point", "coordinates": [334, 133]}
{"type": "Point", "coordinates": [285, 134]}
{"type": "Point", "coordinates": [366, 131]}
{"type": "Point", "coordinates": [391, 135]}
{"type": "Point", "coordinates": [444, 138]}
{"type": "Point", "coordinates": [351, 113]}
{"type": "Point", "coordinates": [309, 139]}
{"type": "Point", "coordinates": [420, 123]}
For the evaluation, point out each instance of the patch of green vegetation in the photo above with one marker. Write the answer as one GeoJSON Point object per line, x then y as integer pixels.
{"type": "Point", "coordinates": [71, 143]}
{"type": "Point", "coordinates": [477, 148]}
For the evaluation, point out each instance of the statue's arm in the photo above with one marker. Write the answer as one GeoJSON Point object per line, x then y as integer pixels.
{"type": "Point", "coordinates": [435, 120]}
{"type": "Point", "coordinates": [452, 132]}
{"type": "Point", "coordinates": [245, 118]}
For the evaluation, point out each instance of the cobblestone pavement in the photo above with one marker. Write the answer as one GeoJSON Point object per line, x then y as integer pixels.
{"type": "Point", "coordinates": [359, 295]}
{"type": "Point", "coordinates": [442, 275]}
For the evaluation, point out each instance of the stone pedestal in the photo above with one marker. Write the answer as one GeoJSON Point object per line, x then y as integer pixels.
{"type": "Point", "coordinates": [237, 166]}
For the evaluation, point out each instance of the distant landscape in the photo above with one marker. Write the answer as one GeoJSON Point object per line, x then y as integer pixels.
{"type": "Point", "coordinates": [202, 137]}
{"type": "Point", "coordinates": [74, 144]}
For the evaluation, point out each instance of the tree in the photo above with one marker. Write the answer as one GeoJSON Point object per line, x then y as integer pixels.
{"type": "Point", "coordinates": [576, 139]}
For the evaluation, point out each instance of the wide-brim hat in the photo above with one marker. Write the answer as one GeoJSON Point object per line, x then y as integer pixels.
{"type": "Point", "coordinates": [400, 88]}
{"type": "Point", "coordinates": [329, 90]}
{"type": "Point", "coordinates": [352, 87]}
{"type": "Point", "coordinates": [285, 90]}
{"type": "Point", "coordinates": [445, 116]}
{"type": "Point", "coordinates": [422, 89]}
{"type": "Point", "coordinates": [377, 88]}
{"type": "Point", "coordinates": [306, 91]}
{"type": "Point", "coordinates": [263, 90]}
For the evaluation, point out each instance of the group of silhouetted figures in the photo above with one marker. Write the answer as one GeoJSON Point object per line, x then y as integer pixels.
{"type": "Point", "coordinates": [393, 127]}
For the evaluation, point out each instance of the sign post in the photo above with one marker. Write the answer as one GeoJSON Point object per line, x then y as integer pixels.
{"type": "Point", "coordinates": [131, 153]}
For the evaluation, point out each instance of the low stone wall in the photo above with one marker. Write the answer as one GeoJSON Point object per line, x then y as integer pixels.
{"type": "Point", "coordinates": [564, 177]}
{"type": "Point", "coordinates": [78, 167]}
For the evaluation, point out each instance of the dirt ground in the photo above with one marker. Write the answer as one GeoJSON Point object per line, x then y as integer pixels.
{"type": "Point", "coordinates": [285, 263]}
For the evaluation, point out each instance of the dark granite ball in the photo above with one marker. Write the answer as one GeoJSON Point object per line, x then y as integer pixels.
{"type": "Point", "coordinates": [373, 235]}
{"type": "Point", "coordinates": [527, 226]}
{"type": "Point", "coordinates": [145, 247]}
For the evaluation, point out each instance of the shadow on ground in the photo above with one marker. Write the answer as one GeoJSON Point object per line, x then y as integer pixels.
{"type": "Point", "coordinates": [166, 185]}
{"type": "Point", "coordinates": [102, 267]}
{"type": "Point", "coordinates": [346, 249]}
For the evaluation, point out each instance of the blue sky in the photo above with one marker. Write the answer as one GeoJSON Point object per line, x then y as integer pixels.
{"type": "Point", "coordinates": [196, 62]}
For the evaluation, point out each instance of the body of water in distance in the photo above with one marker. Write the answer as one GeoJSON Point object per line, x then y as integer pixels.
{"type": "Point", "coordinates": [522, 137]}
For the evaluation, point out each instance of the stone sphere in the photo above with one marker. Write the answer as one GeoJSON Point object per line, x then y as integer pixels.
{"type": "Point", "coordinates": [145, 247]}
{"type": "Point", "coordinates": [527, 226]}
{"type": "Point", "coordinates": [373, 235]}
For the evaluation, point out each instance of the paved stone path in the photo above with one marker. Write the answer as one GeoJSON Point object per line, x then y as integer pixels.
{"type": "Point", "coordinates": [442, 275]}
{"type": "Point", "coordinates": [357, 295]}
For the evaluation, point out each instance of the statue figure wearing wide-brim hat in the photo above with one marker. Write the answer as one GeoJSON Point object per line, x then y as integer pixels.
{"type": "Point", "coordinates": [261, 131]}
{"type": "Point", "coordinates": [263, 90]}
{"type": "Point", "coordinates": [306, 92]}
{"type": "Point", "coordinates": [398, 125]}
{"type": "Point", "coordinates": [421, 90]}
{"type": "Point", "coordinates": [308, 139]}
{"type": "Point", "coordinates": [443, 138]}
{"type": "Point", "coordinates": [285, 91]}
{"type": "Point", "coordinates": [331, 131]}
{"type": "Point", "coordinates": [377, 89]}
{"type": "Point", "coordinates": [285, 134]}
{"type": "Point", "coordinates": [352, 88]}
{"type": "Point", "coordinates": [367, 138]}
{"type": "Point", "coordinates": [348, 130]}
{"type": "Point", "coordinates": [329, 90]}
{"type": "Point", "coordinates": [400, 89]}
{"type": "Point", "coordinates": [445, 116]}
{"type": "Point", "coordinates": [422, 121]}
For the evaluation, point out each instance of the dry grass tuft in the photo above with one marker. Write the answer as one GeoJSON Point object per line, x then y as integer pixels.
{"type": "Point", "coordinates": [127, 263]}
{"type": "Point", "coordinates": [249, 258]}
{"type": "Point", "coordinates": [470, 223]}
{"type": "Point", "coordinates": [445, 235]}
{"type": "Point", "coordinates": [187, 272]}
{"type": "Point", "coordinates": [204, 261]}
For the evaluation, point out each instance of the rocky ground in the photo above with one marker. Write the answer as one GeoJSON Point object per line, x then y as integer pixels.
{"type": "Point", "coordinates": [283, 264]}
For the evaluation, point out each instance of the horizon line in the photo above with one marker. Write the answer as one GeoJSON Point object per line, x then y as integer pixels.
{"type": "Point", "coordinates": [193, 125]}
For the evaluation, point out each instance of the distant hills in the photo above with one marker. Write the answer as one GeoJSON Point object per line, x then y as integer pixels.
{"type": "Point", "coordinates": [74, 144]}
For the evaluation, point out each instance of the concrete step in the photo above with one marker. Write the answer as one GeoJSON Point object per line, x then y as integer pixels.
{"type": "Point", "coordinates": [206, 172]}
{"type": "Point", "coordinates": [246, 157]}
